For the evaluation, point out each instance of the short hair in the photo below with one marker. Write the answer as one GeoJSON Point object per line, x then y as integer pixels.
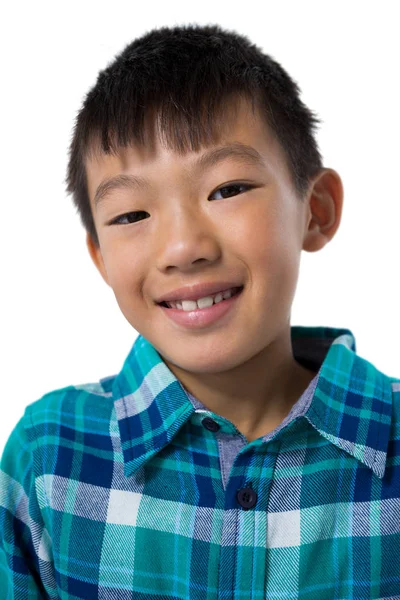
{"type": "Point", "coordinates": [186, 75]}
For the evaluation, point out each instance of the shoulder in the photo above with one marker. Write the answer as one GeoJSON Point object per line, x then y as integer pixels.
{"type": "Point", "coordinates": [86, 406]}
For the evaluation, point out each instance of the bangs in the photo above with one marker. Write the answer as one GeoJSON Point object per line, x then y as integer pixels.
{"type": "Point", "coordinates": [185, 102]}
{"type": "Point", "coordinates": [182, 128]}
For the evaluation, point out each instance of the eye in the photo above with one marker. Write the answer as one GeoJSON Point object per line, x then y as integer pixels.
{"type": "Point", "coordinates": [130, 216]}
{"type": "Point", "coordinates": [232, 187]}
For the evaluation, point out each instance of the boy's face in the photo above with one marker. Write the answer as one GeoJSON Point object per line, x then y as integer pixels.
{"type": "Point", "coordinates": [190, 233]}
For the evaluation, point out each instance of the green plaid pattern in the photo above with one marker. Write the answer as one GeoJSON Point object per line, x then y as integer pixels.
{"type": "Point", "coordinates": [131, 489]}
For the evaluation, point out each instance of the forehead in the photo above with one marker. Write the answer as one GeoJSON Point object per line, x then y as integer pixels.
{"type": "Point", "coordinates": [241, 134]}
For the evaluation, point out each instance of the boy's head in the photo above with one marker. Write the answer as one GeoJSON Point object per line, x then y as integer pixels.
{"type": "Point", "coordinates": [139, 149]}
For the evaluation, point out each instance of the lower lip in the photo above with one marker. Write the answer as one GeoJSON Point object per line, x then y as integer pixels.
{"type": "Point", "coordinates": [202, 317]}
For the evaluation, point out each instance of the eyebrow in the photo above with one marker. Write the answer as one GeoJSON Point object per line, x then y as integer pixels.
{"type": "Point", "coordinates": [240, 152]}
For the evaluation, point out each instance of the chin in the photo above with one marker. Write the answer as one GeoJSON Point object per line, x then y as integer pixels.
{"type": "Point", "coordinates": [202, 365]}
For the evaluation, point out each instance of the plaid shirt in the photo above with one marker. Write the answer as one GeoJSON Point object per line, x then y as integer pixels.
{"type": "Point", "coordinates": [131, 489]}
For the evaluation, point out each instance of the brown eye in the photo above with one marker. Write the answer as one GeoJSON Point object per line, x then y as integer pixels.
{"type": "Point", "coordinates": [231, 189]}
{"type": "Point", "coordinates": [131, 218]}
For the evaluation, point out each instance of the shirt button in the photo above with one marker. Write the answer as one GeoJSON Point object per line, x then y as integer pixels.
{"type": "Point", "coordinates": [247, 497]}
{"type": "Point", "coordinates": [210, 424]}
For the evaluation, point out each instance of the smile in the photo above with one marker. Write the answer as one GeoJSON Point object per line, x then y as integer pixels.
{"type": "Point", "coordinates": [194, 317]}
{"type": "Point", "coordinates": [202, 303]}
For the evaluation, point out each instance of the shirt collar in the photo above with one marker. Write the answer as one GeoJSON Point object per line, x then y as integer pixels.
{"type": "Point", "coordinates": [349, 401]}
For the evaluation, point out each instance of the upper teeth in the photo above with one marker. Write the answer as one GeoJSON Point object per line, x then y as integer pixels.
{"type": "Point", "coordinates": [201, 302]}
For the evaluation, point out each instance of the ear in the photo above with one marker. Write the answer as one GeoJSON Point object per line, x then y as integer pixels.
{"type": "Point", "coordinates": [325, 203]}
{"type": "Point", "coordinates": [97, 257]}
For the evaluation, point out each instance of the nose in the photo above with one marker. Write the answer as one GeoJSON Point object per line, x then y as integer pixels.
{"type": "Point", "coordinates": [187, 239]}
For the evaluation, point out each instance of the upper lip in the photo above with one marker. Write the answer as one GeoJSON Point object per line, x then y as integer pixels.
{"type": "Point", "coordinates": [199, 290]}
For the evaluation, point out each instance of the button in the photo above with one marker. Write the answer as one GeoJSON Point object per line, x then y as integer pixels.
{"type": "Point", "coordinates": [247, 497]}
{"type": "Point", "coordinates": [210, 424]}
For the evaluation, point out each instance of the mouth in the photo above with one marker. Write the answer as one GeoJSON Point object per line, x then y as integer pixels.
{"type": "Point", "coordinates": [200, 316]}
{"type": "Point", "coordinates": [235, 292]}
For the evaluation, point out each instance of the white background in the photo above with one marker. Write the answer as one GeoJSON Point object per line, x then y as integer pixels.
{"type": "Point", "coordinates": [60, 323]}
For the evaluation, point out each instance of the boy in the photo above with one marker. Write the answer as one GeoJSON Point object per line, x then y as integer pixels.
{"type": "Point", "coordinates": [234, 455]}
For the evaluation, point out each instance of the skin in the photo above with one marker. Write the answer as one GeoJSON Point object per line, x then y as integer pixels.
{"type": "Point", "coordinates": [241, 368]}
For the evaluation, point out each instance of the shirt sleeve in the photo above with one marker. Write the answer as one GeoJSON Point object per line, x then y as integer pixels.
{"type": "Point", "coordinates": [25, 546]}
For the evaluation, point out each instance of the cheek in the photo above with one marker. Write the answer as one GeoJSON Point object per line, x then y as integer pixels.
{"type": "Point", "coordinates": [263, 238]}
{"type": "Point", "coordinates": [270, 246]}
{"type": "Point", "coordinates": [124, 265]}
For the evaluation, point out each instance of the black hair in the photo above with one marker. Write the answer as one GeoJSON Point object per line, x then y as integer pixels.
{"type": "Point", "coordinates": [186, 75]}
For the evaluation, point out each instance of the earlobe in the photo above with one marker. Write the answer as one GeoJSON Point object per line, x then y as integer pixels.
{"type": "Point", "coordinates": [325, 203]}
{"type": "Point", "coordinates": [97, 257]}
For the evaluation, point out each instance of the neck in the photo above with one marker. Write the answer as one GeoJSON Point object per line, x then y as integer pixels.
{"type": "Point", "coordinates": [255, 396]}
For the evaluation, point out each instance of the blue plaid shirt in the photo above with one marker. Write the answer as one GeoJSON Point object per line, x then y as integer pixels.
{"type": "Point", "coordinates": [131, 489]}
